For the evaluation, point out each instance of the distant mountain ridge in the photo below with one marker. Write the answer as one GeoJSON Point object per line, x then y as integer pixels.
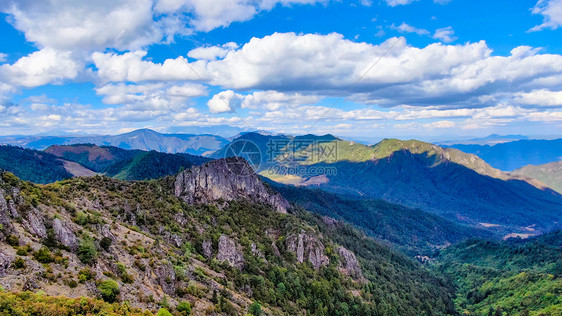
{"type": "Point", "coordinates": [458, 186]}
{"type": "Point", "coordinates": [550, 174]}
{"type": "Point", "coordinates": [514, 155]}
{"type": "Point", "coordinates": [143, 139]}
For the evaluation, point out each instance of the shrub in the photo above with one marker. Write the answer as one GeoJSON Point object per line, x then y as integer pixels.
{"type": "Point", "coordinates": [12, 240]}
{"type": "Point", "coordinates": [109, 290]}
{"type": "Point", "coordinates": [255, 309]}
{"type": "Point", "coordinates": [86, 274]}
{"type": "Point", "coordinates": [184, 308]}
{"type": "Point", "coordinates": [163, 312]}
{"type": "Point", "coordinates": [105, 242]}
{"type": "Point", "coordinates": [87, 251]}
{"type": "Point", "coordinates": [19, 263]}
{"type": "Point", "coordinates": [43, 255]}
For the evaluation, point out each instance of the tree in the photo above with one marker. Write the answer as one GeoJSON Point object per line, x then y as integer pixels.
{"type": "Point", "coordinates": [109, 290]}
{"type": "Point", "coordinates": [87, 251]}
{"type": "Point", "coordinates": [255, 309]}
{"type": "Point", "coordinates": [184, 308]}
{"type": "Point", "coordinates": [163, 312]}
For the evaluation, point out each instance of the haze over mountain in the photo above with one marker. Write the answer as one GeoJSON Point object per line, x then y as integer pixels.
{"type": "Point", "coordinates": [143, 139]}
{"type": "Point", "coordinates": [550, 174]}
{"type": "Point", "coordinates": [513, 155]}
{"type": "Point", "coordinates": [444, 181]}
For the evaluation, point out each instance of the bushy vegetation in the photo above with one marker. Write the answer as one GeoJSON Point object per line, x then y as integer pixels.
{"type": "Point", "coordinates": [514, 277]}
{"type": "Point", "coordinates": [28, 303]}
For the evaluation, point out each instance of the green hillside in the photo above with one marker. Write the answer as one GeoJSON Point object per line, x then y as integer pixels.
{"type": "Point", "coordinates": [550, 174]}
{"type": "Point", "coordinates": [516, 277]}
{"type": "Point", "coordinates": [413, 231]}
{"type": "Point", "coordinates": [32, 165]}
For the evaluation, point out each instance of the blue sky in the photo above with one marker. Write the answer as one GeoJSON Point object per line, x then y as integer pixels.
{"type": "Point", "coordinates": [390, 68]}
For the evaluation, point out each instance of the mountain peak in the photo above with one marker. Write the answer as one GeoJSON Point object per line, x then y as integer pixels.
{"type": "Point", "coordinates": [228, 179]}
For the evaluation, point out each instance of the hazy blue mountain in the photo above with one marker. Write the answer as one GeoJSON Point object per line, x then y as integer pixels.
{"type": "Point", "coordinates": [143, 139]}
{"type": "Point", "coordinates": [488, 140]}
{"type": "Point", "coordinates": [513, 155]}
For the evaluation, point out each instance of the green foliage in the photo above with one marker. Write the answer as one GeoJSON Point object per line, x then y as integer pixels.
{"type": "Point", "coordinates": [28, 303]}
{"type": "Point", "coordinates": [43, 255]}
{"type": "Point", "coordinates": [86, 274]}
{"type": "Point", "coordinates": [163, 312]}
{"type": "Point", "coordinates": [109, 290]}
{"type": "Point", "coordinates": [255, 309]}
{"type": "Point", "coordinates": [32, 165]}
{"type": "Point", "coordinates": [87, 250]}
{"type": "Point", "coordinates": [12, 240]}
{"type": "Point", "coordinates": [514, 277]}
{"type": "Point", "coordinates": [19, 263]}
{"type": "Point", "coordinates": [184, 308]}
{"type": "Point", "coordinates": [105, 243]}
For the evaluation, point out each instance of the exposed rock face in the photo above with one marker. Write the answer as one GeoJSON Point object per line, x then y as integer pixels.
{"type": "Point", "coordinates": [350, 265]}
{"type": "Point", "coordinates": [224, 179]}
{"type": "Point", "coordinates": [207, 249]}
{"type": "Point", "coordinates": [229, 251]}
{"type": "Point", "coordinates": [64, 235]}
{"type": "Point", "coordinates": [5, 261]}
{"type": "Point", "coordinates": [34, 224]}
{"type": "Point", "coordinates": [166, 277]}
{"type": "Point", "coordinates": [307, 247]}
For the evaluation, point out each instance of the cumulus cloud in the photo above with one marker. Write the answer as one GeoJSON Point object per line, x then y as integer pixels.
{"type": "Point", "coordinates": [540, 97]}
{"type": "Point", "coordinates": [446, 34]}
{"type": "Point", "coordinates": [41, 67]}
{"type": "Point", "coordinates": [551, 10]}
{"type": "Point", "coordinates": [405, 28]}
{"type": "Point", "coordinates": [225, 101]}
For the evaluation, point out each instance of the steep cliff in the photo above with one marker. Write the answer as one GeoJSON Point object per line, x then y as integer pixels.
{"type": "Point", "coordinates": [226, 179]}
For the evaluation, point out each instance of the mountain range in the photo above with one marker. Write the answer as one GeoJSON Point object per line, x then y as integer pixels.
{"type": "Point", "coordinates": [142, 139]}
{"type": "Point", "coordinates": [513, 155]}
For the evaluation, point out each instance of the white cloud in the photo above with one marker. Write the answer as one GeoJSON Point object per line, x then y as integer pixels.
{"type": "Point", "coordinates": [3, 57]}
{"type": "Point", "coordinates": [130, 66]}
{"type": "Point", "coordinates": [446, 34]}
{"type": "Point", "coordinates": [541, 97]}
{"type": "Point", "coordinates": [67, 24]}
{"type": "Point", "coordinates": [394, 3]}
{"type": "Point", "coordinates": [551, 10]}
{"type": "Point", "coordinates": [405, 28]}
{"type": "Point", "coordinates": [225, 101]}
{"type": "Point", "coordinates": [440, 124]}
{"type": "Point", "coordinates": [273, 100]}
{"type": "Point", "coordinates": [209, 15]}
{"type": "Point", "coordinates": [42, 67]}
{"type": "Point", "coordinates": [212, 52]}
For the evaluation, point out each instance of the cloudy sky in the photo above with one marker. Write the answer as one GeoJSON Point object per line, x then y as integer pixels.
{"type": "Point", "coordinates": [364, 68]}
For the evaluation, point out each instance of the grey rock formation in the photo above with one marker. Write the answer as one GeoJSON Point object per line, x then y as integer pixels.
{"type": "Point", "coordinates": [33, 223]}
{"type": "Point", "coordinates": [229, 251]}
{"type": "Point", "coordinates": [64, 234]}
{"type": "Point", "coordinates": [166, 277]}
{"type": "Point", "coordinates": [307, 247]}
{"type": "Point", "coordinates": [220, 180]}
{"type": "Point", "coordinates": [5, 261]}
{"type": "Point", "coordinates": [207, 249]}
{"type": "Point", "coordinates": [350, 265]}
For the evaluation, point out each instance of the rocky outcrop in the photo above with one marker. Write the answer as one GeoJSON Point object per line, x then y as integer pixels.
{"type": "Point", "coordinates": [223, 179]}
{"type": "Point", "coordinates": [307, 247]}
{"type": "Point", "coordinates": [34, 224]}
{"type": "Point", "coordinates": [207, 248]}
{"type": "Point", "coordinates": [166, 277]}
{"type": "Point", "coordinates": [5, 261]}
{"type": "Point", "coordinates": [230, 252]}
{"type": "Point", "coordinates": [64, 235]}
{"type": "Point", "coordinates": [349, 263]}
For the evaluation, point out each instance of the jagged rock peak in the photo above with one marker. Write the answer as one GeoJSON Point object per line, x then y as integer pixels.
{"type": "Point", "coordinates": [227, 179]}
